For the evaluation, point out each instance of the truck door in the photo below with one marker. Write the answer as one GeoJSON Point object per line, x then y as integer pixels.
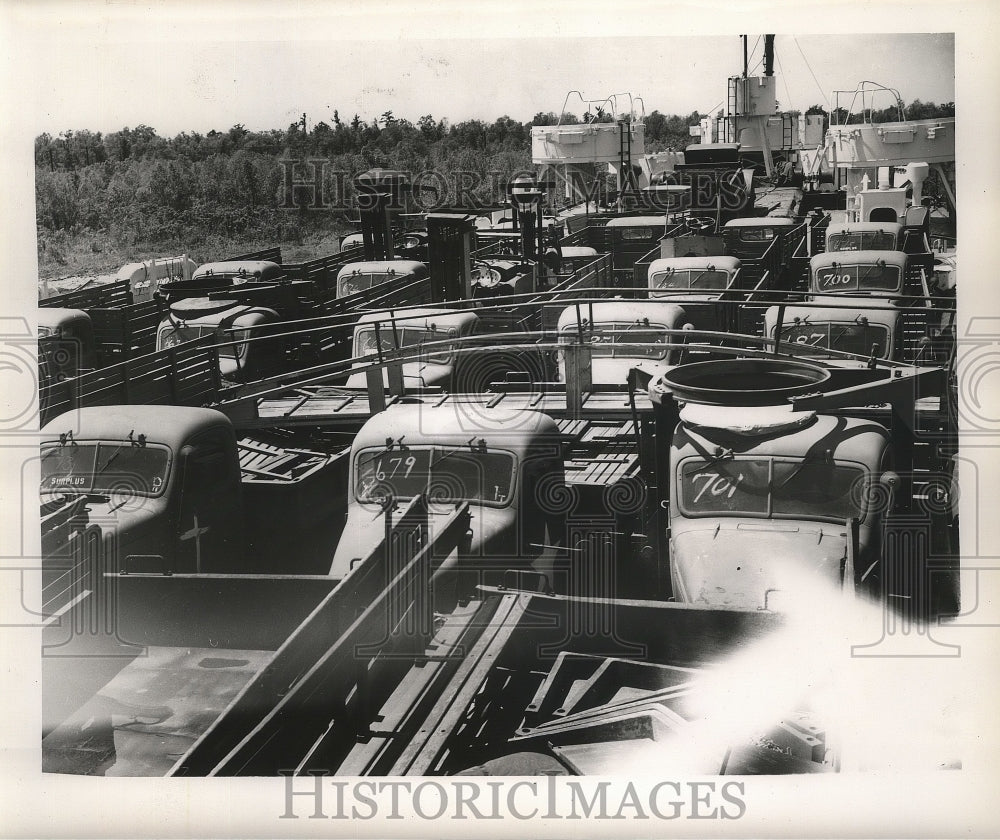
{"type": "Point", "coordinates": [210, 514]}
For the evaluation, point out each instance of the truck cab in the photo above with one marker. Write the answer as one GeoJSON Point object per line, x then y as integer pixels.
{"type": "Point", "coordinates": [573, 257]}
{"type": "Point", "coordinates": [165, 480]}
{"type": "Point", "coordinates": [632, 237]}
{"type": "Point", "coordinates": [760, 500]}
{"type": "Point", "coordinates": [499, 461]}
{"type": "Point", "coordinates": [613, 328]}
{"type": "Point", "coordinates": [696, 283]}
{"type": "Point", "coordinates": [243, 356]}
{"type": "Point", "coordinates": [751, 237]}
{"type": "Point", "coordinates": [412, 328]}
{"type": "Point", "coordinates": [360, 276]}
{"type": "Point", "coordinates": [66, 342]}
{"type": "Point", "coordinates": [836, 318]}
{"type": "Point", "coordinates": [170, 489]}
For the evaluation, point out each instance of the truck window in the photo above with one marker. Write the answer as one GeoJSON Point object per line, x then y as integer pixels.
{"type": "Point", "coordinates": [732, 486]}
{"type": "Point", "coordinates": [861, 338]}
{"type": "Point", "coordinates": [865, 240]}
{"type": "Point", "coordinates": [631, 234]}
{"type": "Point", "coordinates": [766, 487]}
{"type": "Point", "coordinates": [752, 234]}
{"type": "Point", "coordinates": [810, 490]}
{"type": "Point", "coordinates": [693, 278]}
{"type": "Point", "coordinates": [105, 467]}
{"type": "Point", "coordinates": [445, 474]}
{"type": "Point", "coordinates": [365, 343]}
{"type": "Point", "coordinates": [853, 278]}
{"type": "Point", "coordinates": [606, 339]}
{"type": "Point", "coordinates": [351, 284]}
{"type": "Point", "coordinates": [178, 335]}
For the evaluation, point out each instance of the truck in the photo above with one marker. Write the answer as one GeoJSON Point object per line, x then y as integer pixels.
{"type": "Point", "coordinates": [621, 333]}
{"type": "Point", "coordinates": [360, 276]}
{"type": "Point", "coordinates": [65, 343]}
{"type": "Point", "coordinates": [378, 332]}
{"type": "Point", "coordinates": [761, 498]}
{"type": "Point", "coordinates": [496, 460]}
{"type": "Point", "coordinates": [233, 324]}
{"type": "Point", "coordinates": [699, 284]}
{"type": "Point", "coordinates": [853, 306]}
{"type": "Point", "coordinates": [170, 482]}
{"type": "Point", "coordinates": [783, 474]}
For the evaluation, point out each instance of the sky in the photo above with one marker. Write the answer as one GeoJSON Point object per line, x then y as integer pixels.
{"type": "Point", "coordinates": [178, 68]}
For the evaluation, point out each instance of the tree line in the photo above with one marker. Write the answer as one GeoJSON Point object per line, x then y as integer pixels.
{"type": "Point", "coordinates": [139, 189]}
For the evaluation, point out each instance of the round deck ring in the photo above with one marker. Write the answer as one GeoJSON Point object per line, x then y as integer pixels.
{"type": "Point", "coordinates": [744, 382]}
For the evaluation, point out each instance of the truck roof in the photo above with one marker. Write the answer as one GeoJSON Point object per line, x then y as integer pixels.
{"type": "Point", "coordinates": [720, 263]}
{"type": "Point", "coordinates": [828, 258]}
{"type": "Point", "coordinates": [58, 316]}
{"type": "Point", "coordinates": [761, 221]}
{"type": "Point", "coordinates": [423, 316]}
{"type": "Point", "coordinates": [456, 424]}
{"type": "Point", "coordinates": [255, 269]}
{"type": "Point", "coordinates": [849, 438]}
{"type": "Point", "coordinates": [657, 311]}
{"type": "Point", "coordinates": [167, 424]}
{"type": "Point", "coordinates": [864, 227]}
{"type": "Point", "coordinates": [638, 221]}
{"type": "Point", "coordinates": [577, 251]}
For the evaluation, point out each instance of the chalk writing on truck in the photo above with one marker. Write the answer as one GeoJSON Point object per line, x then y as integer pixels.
{"type": "Point", "coordinates": [446, 475]}
{"type": "Point", "coordinates": [102, 467]}
{"type": "Point", "coordinates": [690, 278]}
{"type": "Point", "coordinates": [606, 338]}
{"type": "Point", "coordinates": [861, 337]}
{"type": "Point", "coordinates": [771, 487]}
{"type": "Point", "coordinates": [853, 278]}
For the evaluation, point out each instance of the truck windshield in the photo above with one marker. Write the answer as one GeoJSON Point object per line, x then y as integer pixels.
{"type": "Point", "coordinates": [865, 240]}
{"type": "Point", "coordinates": [446, 475]}
{"type": "Point", "coordinates": [606, 339]}
{"type": "Point", "coordinates": [365, 343]}
{"type": "Point", "coordinates": [104, 467]}
{"type": "Point", "coordinates": [862, 338]}
{"type": "Point", "coordinates": [693, 278]}
{"type": "Point", "coordinates": [874, 277]}
{"type": "Point", "coordinates": [351, 284]}
{"type": "Point", "coordinates": [770, 487]}
{"type": "Point", "coordinates": [178, 335]}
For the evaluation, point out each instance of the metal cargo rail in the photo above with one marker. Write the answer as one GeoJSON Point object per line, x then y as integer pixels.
{"type": "Point", "coordinates": [340, 661]}
{"type": "Point", "coordinates": [186, 374]}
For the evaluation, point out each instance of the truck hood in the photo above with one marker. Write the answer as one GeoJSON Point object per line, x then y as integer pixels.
{"type": "Point", "coordinates": [493, 533]}
{"type": "Point", "coordinates": [137, 524]}
{"type": "Point", "coordinates": [754, 564]}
